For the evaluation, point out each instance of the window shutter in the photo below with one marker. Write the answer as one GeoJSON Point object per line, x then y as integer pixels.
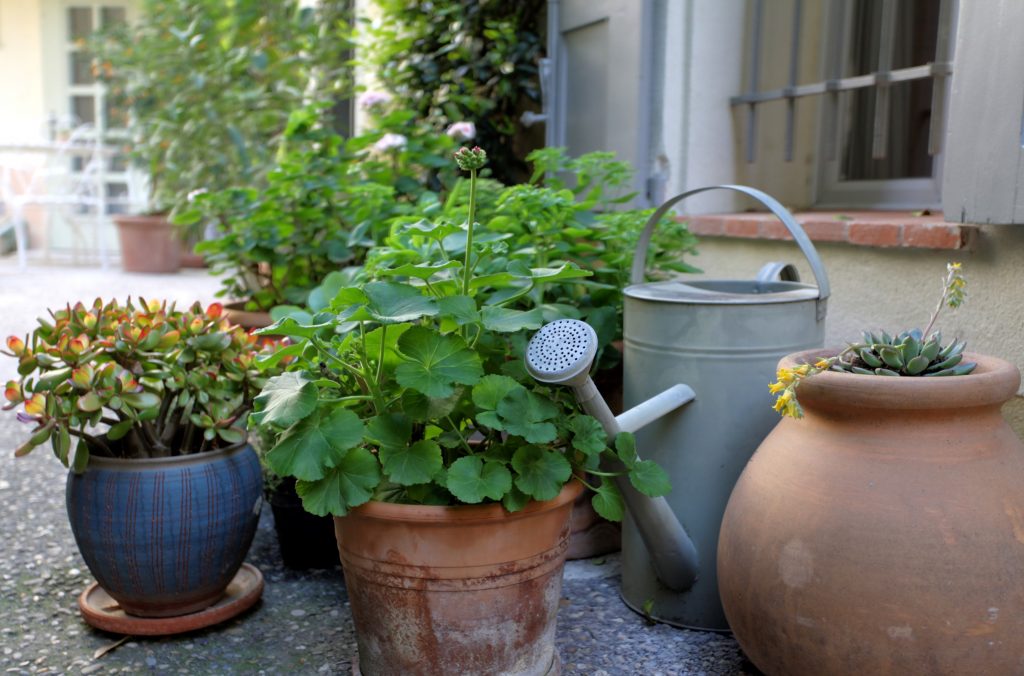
{"type": "Point", "coordinates": [984, 171]}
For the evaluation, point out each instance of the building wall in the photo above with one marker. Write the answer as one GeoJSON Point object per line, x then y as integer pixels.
{"type": "Point", "coordinates": [23, 116]}
{"type": "Point", "coordinates": [697, 141]}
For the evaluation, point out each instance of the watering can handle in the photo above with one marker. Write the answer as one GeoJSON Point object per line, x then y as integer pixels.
{"type": "Point", "coordinates": [804, 242]}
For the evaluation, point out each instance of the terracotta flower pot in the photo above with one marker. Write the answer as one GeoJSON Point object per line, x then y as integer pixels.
{"type": "Point", "coordinates": [884, 532]}
{"type": "Point", "coordinates": [456, 590]}
{"type": "Point", "coordinates": [148, 244]}
{"type": "Point", "coordinates": [165, 536]}
{"type": "Point", "coordinates": [247, 319]}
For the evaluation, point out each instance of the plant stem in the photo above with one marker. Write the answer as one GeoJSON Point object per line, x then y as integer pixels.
{"type": "Point", "coordinates": [467, 271]}
{"type": "Point", "coordinates": [92, 441]}
{"type": "Point", "coordinates": [938, 308]}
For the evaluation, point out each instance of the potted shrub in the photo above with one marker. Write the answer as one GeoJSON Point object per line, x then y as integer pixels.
{"type": "Point", "coordinates": [208, 87]}
{"type": "Point", "coordinates": [878, 527]}
{"type": "Point", "coordinates": [408, 414]}
{"type": "Point", "coordinates": [566, 212]}
{"type": "Point", "coordinates": [147, 404]}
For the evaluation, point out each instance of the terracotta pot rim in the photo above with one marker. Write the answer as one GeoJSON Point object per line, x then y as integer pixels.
{"type": "Point", "coordinates": [993, 382]}
{"type": "Point", "coordinates": [143, 220]}
{"type": "Point", "coordinates": [460, 514]}
{"type": "Point", "coordinates": [104, 462]}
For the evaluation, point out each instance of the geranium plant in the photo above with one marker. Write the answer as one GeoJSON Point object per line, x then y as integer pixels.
{"type": "Point", "coordinates": [134, 381]}
{"type": "Point", "coordinates": [914, 352]}
{"type": "Point", "coordinates": [412, 388]}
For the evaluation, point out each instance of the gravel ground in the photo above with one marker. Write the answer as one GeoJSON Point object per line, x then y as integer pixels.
{"type": "Point", "coordinates": [302, 624]}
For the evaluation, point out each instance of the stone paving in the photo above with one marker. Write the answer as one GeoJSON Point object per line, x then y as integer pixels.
{"type": "Point", "coordinates": [302, 624]}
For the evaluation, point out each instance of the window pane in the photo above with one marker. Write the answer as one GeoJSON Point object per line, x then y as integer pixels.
{"type": "Point", "coordinates": [111, 16]}
{"type": "Point", "coordinates": [83, 109]}
{"type": "Point", "coordinates": [117, 198]}
{"type": "Point", "coordinates": [81, 68]}
{"type": "Point", "coordinates": [79, 23]}
{"type": "Point", "coordinates": [117, 164]}
{"type": "Point", "coordinates": [906, 155]}
{"type": "Point", "coordinates": [114, 117]}
{"type": "Point", "coordinates": [77, 164]}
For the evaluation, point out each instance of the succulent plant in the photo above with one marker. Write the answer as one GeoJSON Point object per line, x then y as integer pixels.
{"type": "Point", "coordinates": [127, 381]}
{"type": "Point", "coordinates": [907, 354]}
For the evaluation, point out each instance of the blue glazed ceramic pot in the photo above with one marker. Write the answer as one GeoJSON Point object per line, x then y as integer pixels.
{"type": "Point", "coordinates": [165, 536]}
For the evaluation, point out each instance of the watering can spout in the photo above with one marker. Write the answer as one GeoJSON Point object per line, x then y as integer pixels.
{"type": "Point", "coordinates": [561, 354]}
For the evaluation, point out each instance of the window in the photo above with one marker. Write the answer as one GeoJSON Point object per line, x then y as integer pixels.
{"type": "Point", "coordinates": [884, 69]}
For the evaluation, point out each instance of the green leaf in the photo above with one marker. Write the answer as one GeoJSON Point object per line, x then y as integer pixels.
{"type": "Point", "coordinates": [119, 430]}
{"type": "Point", "coordinates": [320, 298]}
{"type": "Point", "coordinates": [231, 435]}
{"type": "Point", "coordinates": [349, 484]}
{"type": "Point", "coordinates": [292, 329]}
{"type": "Point", "coordinates": [391, 303]}
{"type": "Point", "coordinates": [491, 389]}
{"type": "Point", "coordinates": [892, 356]}
{"type": "Point", "coordinates": [506, 320]}
{"type": "Point", "coordinates": [524, 413]}
{"type": "Point", "coordinates": [408, 465]}
{"type": "Point", "coordinates": [285, 400]}
{"type": "Point", "coordinates": [267, 362]}
{"type": "Point", "coordinates": [316, 444]}
{"type": "Point", "coordinates": [588, 435]}
{"type": "Point", "coordinates": [424, 271]}
{"type": "Point", "coordinates": [81, 460]}
{"type": "Point", "coordinates": [515, 500]}
{"type": "Point", "coordinates": [422, 408]}
{"type": "Point", "coordinates": [141, 399]}
{"type": "Point", "coordinates": [541, 472]}
{"type": "Point", "coordinates": [434, 363]}
{"type": "Point", "coordinates": [625, 448]}
{"type": "Point", "coordinates": [607, 500]}
{"type": "Point", "coordinates": [389, 429]}
{"type": "Point", "coordinates": [471, 480]}
{"type": "Point", "coordinates": [917, 364]}
{"type": "Point", "coordinates": [90, 402]}
{"type": "Point", "coordinates": [460, 308]}
{"type": "Point", "coordinates": [650, 479]}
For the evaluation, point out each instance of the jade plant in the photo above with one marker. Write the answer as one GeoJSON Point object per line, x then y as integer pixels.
{"type": "Point", "coordinates": [914, 352]}
{"type": "Point", "coordinates": [411, 387]}
{"type": "Point", "coordinates": [134, 381]}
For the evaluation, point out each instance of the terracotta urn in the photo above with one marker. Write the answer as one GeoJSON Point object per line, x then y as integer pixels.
{"type": "Point", "coordinates": [247, 319]}
{"type": "Point", "coordinates": [883, 533]}
{"type": "Point", "coordinates": [469, 589]}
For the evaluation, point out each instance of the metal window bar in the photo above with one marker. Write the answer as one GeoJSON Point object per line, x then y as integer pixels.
{"type": "Point", "coordinates": [883, 78]}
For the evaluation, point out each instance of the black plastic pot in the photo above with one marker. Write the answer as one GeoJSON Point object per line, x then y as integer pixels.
{"type": "Point", "coordinates": [306, 540]}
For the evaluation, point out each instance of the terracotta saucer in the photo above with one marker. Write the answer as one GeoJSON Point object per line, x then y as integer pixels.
{"type": "Point", "coordinates": [103, 612]}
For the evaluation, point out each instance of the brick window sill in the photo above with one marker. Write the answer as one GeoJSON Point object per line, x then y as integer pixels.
{"type": "Point", "coordinates": [877, 229]}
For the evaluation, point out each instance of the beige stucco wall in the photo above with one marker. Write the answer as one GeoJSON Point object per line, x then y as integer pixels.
{"type": "Point", "coordinates": [896, 289]}
{"type": "Point", "coordinates": [23, 114]}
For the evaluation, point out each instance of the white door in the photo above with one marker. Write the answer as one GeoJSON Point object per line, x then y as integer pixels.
{"type": "Point", "coordinates": [601, 79]}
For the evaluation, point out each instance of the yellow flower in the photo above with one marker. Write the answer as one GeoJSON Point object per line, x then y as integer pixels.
{"type": "Point", "coordinates": [775, 388]}
{"type": "Point", "coordinates": [783, 400]}
{"type": "Point", "coordinates": [793, 409]}
{"type": "Point", "coordinates": [785, 376]}
{"type": "Point", "coordinates": [822, 364]}
{"type": "Point", "coordinates": [803, 369]}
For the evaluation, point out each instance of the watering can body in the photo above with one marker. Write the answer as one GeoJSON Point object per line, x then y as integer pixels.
{"type": "Point", "coordinates": [723, 338]}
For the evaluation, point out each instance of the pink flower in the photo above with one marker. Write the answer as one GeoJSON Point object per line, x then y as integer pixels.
{"type": "Point", "coordinates": [373, 100]}
{"type": "Point", "coordinates": [462, 131]}
{"type": "Point", "coordinates": [390, 141]}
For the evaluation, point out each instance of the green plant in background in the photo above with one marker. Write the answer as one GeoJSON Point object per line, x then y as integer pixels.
{"type": "Point", "coordinates": [411, 387]}
{"type": "Point", "coordinates": [566, 214]}
{"type": "Point", "coordinates": [164, 381]}
{"type": "Point", "coordinates": [909, 353]}
{"type": "Point", "coordinates": [209, 85]}
{"type": "Point", "coordinates": [456, 61]}
{"type": "Point", "coordinates": [315, 215]}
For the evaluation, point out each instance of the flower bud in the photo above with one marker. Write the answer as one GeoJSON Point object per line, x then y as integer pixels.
{"type": "Point", "coordinates": [471, 158]}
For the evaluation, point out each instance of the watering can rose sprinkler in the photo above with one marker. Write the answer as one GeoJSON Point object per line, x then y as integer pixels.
{"type": "Point", "coordinates": [561, 353]}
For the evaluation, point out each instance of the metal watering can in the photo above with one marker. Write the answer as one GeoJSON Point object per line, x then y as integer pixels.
{"type": "Point", "coordinates": [723, 339]}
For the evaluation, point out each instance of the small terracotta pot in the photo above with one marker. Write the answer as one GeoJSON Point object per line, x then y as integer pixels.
{"type": "Point", "coordinates": [884, 532]}
{"type": "Point", "coordinates": [165, 536]}
{"type": "Point", "coordinates": [456, 590]}
{"type": "Point", "coordinates": [247, 319]}
{"type": "Point", "coordinates": [149, 243]}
